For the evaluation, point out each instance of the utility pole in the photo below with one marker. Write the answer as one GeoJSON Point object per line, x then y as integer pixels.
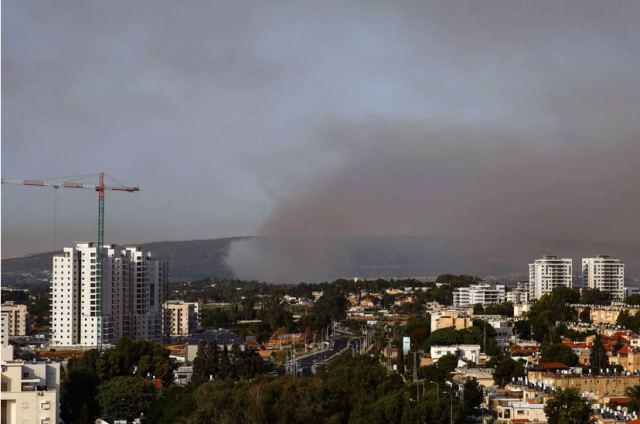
{"type": "Point", "coordinates": [484, 345]}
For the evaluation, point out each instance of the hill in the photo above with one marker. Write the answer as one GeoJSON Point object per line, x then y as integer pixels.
{"type": "Point", "coordinates": [188, 260]}
{"type": "Point", "coordinates": [365, 257]}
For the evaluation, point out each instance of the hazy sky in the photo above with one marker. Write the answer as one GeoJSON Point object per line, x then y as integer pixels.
{"type": "Point", "coordinates": [322, 118]}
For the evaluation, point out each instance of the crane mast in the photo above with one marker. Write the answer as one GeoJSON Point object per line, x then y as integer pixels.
{"type": "Point", "coordinates": [100, 259]}
{"type": "Point", "coordinates": [100, 188]}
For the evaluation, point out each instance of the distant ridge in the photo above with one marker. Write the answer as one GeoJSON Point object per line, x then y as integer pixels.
{"type": "Point", "coordinates": [397, 256]}
{"type": "Point", "coordinates": [191, 259]}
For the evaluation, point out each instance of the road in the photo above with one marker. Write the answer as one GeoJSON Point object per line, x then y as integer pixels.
{"type": "Point", "coordinates": [304, 364]}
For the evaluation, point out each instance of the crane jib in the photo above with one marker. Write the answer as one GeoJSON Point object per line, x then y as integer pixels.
{"type": "Point", "coordinates": [100, 257]}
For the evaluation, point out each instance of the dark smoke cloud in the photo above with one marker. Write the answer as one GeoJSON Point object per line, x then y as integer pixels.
{"type": "Point", "coordinates": [533, 150]}
{"type": "Point", "coordinates": [481, 125]}
{"type": "Point", "coordinates": [485, 187]}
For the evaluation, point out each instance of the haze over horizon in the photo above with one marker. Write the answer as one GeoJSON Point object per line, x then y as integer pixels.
{"type": "Point", "coordinates": [498, 123]}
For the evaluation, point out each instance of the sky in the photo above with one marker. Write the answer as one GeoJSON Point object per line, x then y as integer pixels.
{"type": "Point", "coordinates": [487, 119]}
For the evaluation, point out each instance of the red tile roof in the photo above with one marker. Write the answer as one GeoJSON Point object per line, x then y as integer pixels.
{"type": "Point", "coordinates": [554, 366]}
{"type": "Point", "coordinates": [625, 350]}
{"type": "Point", "coordinates": [620, 400]}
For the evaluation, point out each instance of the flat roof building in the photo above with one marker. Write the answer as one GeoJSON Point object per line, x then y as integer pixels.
{"type": "Point", "coordinates": [180, 318]}
{"type": "Point", "coordinates": [132, 294]}
{"type": "Point", "coordinates": [30, 392]}
{"type": "Point", "coordinates": [605, 274]}
{"type": "Point", "coordinates": [483, 294]}
{"type": "Point", "coordinates": [548, 273]}
{"type": "Point", "coordinates": [16, 318]}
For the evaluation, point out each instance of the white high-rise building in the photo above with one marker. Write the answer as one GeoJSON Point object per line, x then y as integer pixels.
{"type": "Point", "coordinates": [483, 294]}
{"type": "Point", "coordinates": [133, 291]}
{"type": "Point", "coordinates": [605, 274]}
{"type": "Point", "coordinates": [548, 273]}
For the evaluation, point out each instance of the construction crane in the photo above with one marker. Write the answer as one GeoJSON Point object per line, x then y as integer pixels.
{"type": "Point", "coordinates": [100, 188]}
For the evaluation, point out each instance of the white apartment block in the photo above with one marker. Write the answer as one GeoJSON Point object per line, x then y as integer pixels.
{"type": "Point", "coordinates": [462, 352]}
{"type": "Point", "coordinates": [180, 318]}
{"type": "Point", "coordinates": [605, 274]}
{"type": "Point", "coordinates": [16, 316]}
{"type": "Point", "coordinates": [132, 295]}
{"type": "Point", "coordinates": [520, 294]}
{"type": "Point", "coordinates": [502, 325]}
{"type": "Point", "coordinates": [483, 294]}
{"type": "Point", "coordinates": [29, 392]}
{"type": "Point", "coordinates": [548, 273]}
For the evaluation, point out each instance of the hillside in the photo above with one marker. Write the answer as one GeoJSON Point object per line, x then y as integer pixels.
{"type": "Point", "coordinates": [400, 256]}
{"type": "Point", "coordinates": [191, 259]}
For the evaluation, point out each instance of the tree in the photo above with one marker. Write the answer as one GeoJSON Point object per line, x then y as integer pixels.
{"type": "Point", "coordinates": [473, 395]}
{"type": "Point", "coordinates": [478, 309]}
{"type": "Point", "coordinates": [551, 309]}
{"type": "Point", "coordinates": [78, 396]}
{"type": "Point", "coordinates": [633, 300]}
{"type": "Point", "coordinates": [135, 356]}
{"type": "Point", "coordinates": [565, 406]}
{"type": "Point", "coordinates": [125, 397]}
{"type": "Point", "coordinates": [443, 337]}
{"type": "Point", "coordinates": [563, 295]}
{"type": "Point", "coordinates": [598, 359]}
{"type": "Point", "coordinates": [594, 297]}
{"type": "Point", "coordinates": [558, 352]}
{"type": "Point", "coordinates": [523, 329]}
{"type": "Point", "coordinates": [206, 362]}
{"type": "Point", "coordinates": [418, 329]}
{"type": "Point", "coordinates": [447, 363]}
{"type": "Point", "coordinates": [634, 393]}
{"type": "Point", "coordinates": [505, 309]}
{"type": "Point", "coordinates": [173, 405]}
{"type": "Point", "coordinates": [457, 280]}
{"type": "Point", "coordinates": [585, 315]}
{"type": "Point", "coordinates": [505, 369]}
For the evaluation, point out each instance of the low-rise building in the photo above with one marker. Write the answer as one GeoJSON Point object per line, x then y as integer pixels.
{"type": "Point", "coordinates": [520, 310]}
{"type": "Point", "coordinates": [450, 318]}
{"type": "Point", "coordinates": [518, 402]}
{"type": "Point", "coordinates": [605, 314]}
{"type": "Point", "coordinates": [484, 376]}
{"type": "Point", "coordinates": [30, 392]}
{"type": "Point", "coordinates": [520, 412]}
{"type": "Point", "coordinates": [462, 352]}
{"type": "Point", "coordinates": [502, 325]}
{"type": "Point", "coordinates": [483, 294]}
{"type": "Point", "coordinates": [596, 386]}
{"type": "Point", "coordinates": [520, 294]}
{"type": "Point", "coordinates": [628, 357]}
{"type": "Point", "coordinates": [183, 374]}
{"type": "Point", "coordinates": [16, 317]}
